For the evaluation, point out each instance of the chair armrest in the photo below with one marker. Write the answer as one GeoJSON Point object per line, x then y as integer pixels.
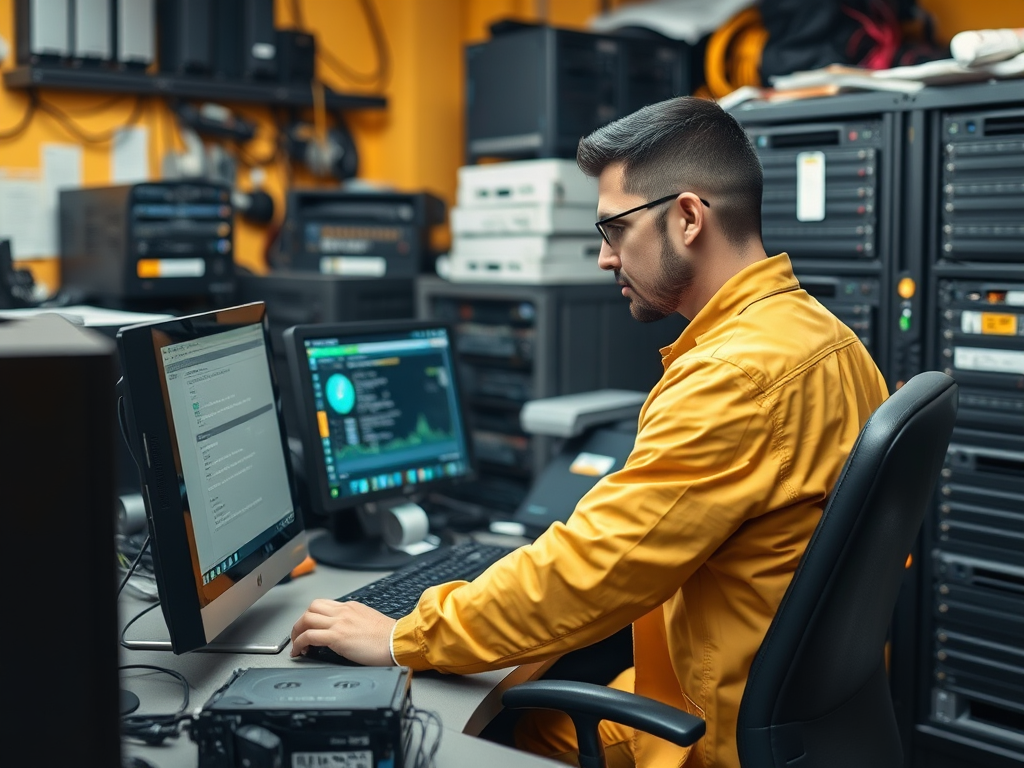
{"type": "Point", "coordinates": [588, 704]}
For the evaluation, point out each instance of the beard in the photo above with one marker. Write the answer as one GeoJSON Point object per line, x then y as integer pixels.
{"type": "Point", "coordinates": [659, 300]}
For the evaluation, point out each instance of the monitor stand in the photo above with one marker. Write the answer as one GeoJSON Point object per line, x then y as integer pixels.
{"type": "Point", "coordinates": [376, 536]}
{"type": "Point", "coordinates": [265, 628]}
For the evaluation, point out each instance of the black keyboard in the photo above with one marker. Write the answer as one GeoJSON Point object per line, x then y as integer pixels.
{"type": "Point", "coordinates": [396, 594]}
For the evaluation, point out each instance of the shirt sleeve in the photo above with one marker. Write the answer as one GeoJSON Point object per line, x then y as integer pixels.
{"type": "Point", "coordinates": [704, 448]}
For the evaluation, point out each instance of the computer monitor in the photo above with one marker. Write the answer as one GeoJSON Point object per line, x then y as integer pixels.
{"type": "Point", "coordinates": [381, 422]}
{"type": "Point", "coordinates": [204, 421]}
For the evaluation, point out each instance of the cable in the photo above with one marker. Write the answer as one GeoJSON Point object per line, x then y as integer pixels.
{"type": "Point", "coordinates": [26, 118]}
{"type": "Point", "coordinates": [427, 743]}
{"type": "Point", "coordinates": [135, 618]}
{"type": "Point", "coordinates": [81, 134]}
{"type": "Point", "coordinates": [131, 570]}
{"type": "Point", "coordinates": [95, 109]}
{"type": "Point", "coordinates": [378, 77]}
{"type": "Point", "coordinates": [154, 729]}
{"type": "Point", "coordinates": [733, 56]}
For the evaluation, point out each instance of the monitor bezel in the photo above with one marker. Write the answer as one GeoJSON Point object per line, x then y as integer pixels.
{"type": "Point", "coordinates": [316, 472]}
{"type": "Point", "coordinates": [149, 430]}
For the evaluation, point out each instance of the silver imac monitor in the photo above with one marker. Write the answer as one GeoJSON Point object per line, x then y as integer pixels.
{"type": "Point", "coordinates": [203, 418]}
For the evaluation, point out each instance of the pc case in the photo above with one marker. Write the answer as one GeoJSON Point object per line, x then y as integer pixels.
{"type": "Point", "coordinates": [58, 479]}
{"type": "Point", "coordinates": [42, 30]}
{"type": "Point", "coordinates": [535, 90]}
{"type": "Point", "coordinates": [522, 342]}
{"type": "Point", "coordinates": [259, 40]}
{"type": "Point", "coordinates": [92, 37]}
{"type": "Point", "coordinates": [148, 246]}
{"type": "Point", "coordinates": [184, 37]}
{"type": "Point", "coordinates": [134, 36]}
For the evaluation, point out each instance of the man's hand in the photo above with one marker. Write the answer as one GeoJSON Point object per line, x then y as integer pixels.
{"type": "Point", "coordinates": [354, 630]}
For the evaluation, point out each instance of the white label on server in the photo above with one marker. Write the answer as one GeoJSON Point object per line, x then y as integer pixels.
{"type": "Point", "coordinates": [992, 360]}
{"type": "Point", "coordinates": [361, 266]}
{"type": "Point", "coordinates": [810, 186]}
{"type": "Point", "coordinates": [1016, 298]}
{"type": "Point", "coordinates": [970, 322]}
{"type": "Point", "coordinates": [359, 759]}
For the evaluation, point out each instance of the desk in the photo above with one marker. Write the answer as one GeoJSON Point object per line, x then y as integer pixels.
{"type": "Point", "coordinates": [465, 703]}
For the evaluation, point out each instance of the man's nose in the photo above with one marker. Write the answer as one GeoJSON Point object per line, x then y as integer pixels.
{"type": "Point", "coordinates": [607, 258]}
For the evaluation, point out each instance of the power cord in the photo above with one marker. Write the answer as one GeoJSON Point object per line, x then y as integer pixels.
{"type": "Point", "coordinates": [80, 133]}
{"type": "Point", "coordinates": [155, 729]}
{"type": "Point", "coordinates": [425, 733]}
{"type": "Point", "coordinates": [380, 76]}
{"type": "Point", "coordinates": [23, 122]}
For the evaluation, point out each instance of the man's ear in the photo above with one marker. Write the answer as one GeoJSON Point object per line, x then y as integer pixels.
{"type": "Point", "coordinates": [691, 217]}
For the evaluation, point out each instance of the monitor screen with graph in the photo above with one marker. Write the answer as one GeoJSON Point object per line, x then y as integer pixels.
{"type": "Point", "coordinates": [381, 419]}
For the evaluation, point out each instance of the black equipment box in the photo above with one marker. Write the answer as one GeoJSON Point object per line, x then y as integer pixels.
{"type": "Point", "coordinates": [981, 324]}
{"type": "Point", "coordinates": [982, 205]}
{"type": "Point", "coordinates": [146, 245]}
{"type": "Point", "coordinates": [358, 234]}
{"type": "Point", "coordinates": [533, 91]}
{"type": "Point", "coordinates": [345, 716]}
{"type": "Point", "coordinates": [821, 188]}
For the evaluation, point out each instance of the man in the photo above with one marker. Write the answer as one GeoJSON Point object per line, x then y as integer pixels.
{"type": "Point", "coordinates": [696, 539]}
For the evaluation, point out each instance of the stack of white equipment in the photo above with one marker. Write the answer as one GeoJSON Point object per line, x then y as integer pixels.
{"type": "Point", "coordinates": [525, 221]}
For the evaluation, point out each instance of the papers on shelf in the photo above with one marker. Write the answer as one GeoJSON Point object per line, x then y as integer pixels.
{"type": "Point", "coordinates": [836, 78]}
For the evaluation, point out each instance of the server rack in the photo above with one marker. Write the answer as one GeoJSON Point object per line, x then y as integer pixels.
{"type": "Point", "coordinates": [834, 174]}
{"type": "Point", "coordinates": [523, 342]}
{"type": "Point", "coordinates": [970, 702]}
{"type": "Point", "coordinates": [862, 256]}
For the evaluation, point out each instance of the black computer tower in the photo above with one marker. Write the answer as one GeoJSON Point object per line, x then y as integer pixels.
{"type": "Point", "coordinates": [259, 40]}
{"type": "Point", "coordinates": [58, 496]}
{"type": "Point", "coordinates": [185, 43]}
{"type": "Point", "coordinates": [535, 90]}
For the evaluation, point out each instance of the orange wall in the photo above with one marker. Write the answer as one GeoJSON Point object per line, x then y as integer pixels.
{"type": "Point", "coordinates": [414, 144]}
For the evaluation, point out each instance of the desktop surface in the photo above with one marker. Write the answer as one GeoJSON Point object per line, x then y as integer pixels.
{"type": "Point", "coordinates": [465, 703]}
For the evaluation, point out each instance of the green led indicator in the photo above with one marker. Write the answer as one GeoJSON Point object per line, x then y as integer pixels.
{"type": "Point", "coordinates": [904, 323]}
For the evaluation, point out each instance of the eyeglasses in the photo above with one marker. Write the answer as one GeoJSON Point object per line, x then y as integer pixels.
{"type": "Point", "coordinates": [613, 235]}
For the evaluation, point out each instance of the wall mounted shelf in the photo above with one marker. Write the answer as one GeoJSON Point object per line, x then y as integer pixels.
{"type": "Point", "coordinates": [142, 84]}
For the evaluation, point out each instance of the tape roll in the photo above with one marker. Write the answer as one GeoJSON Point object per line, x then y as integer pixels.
{"type": "Point", "coordinates": [404, 524]}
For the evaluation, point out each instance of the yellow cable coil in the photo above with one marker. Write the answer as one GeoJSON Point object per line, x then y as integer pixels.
{"type": "Point", "coordinates": [733, 56]}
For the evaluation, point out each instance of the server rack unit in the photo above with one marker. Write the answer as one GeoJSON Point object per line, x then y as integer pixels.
{"type": "Point", "coordinates": [522, 342]}
{"type": "Point", "coordinates": [832, 187]}
{"type": "Point", "coordinates": [971, 698]}
{"type": "Point", "coordinates": [532, 92]}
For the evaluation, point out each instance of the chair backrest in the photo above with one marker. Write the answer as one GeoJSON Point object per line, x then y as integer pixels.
{"type": "Point", "coordinates": [818, 692]}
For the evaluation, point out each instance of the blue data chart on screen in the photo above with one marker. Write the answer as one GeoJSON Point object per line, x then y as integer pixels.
{"type": "Point", "coordinates": [387, 411]}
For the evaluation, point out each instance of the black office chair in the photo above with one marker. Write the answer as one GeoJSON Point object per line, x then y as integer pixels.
{"type": "Point", "coordinates": [818, 692]}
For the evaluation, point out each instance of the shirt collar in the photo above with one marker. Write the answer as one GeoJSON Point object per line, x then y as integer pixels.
{"type": "Point", "coordinates": [753, 283]}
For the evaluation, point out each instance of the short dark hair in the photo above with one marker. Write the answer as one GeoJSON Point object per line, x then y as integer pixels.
{"type": "Point", "coordinates": [684, 144]}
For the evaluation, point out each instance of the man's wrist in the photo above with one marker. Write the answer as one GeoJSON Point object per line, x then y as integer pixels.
{"type": "Point", "coordinates": [391, 644]}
